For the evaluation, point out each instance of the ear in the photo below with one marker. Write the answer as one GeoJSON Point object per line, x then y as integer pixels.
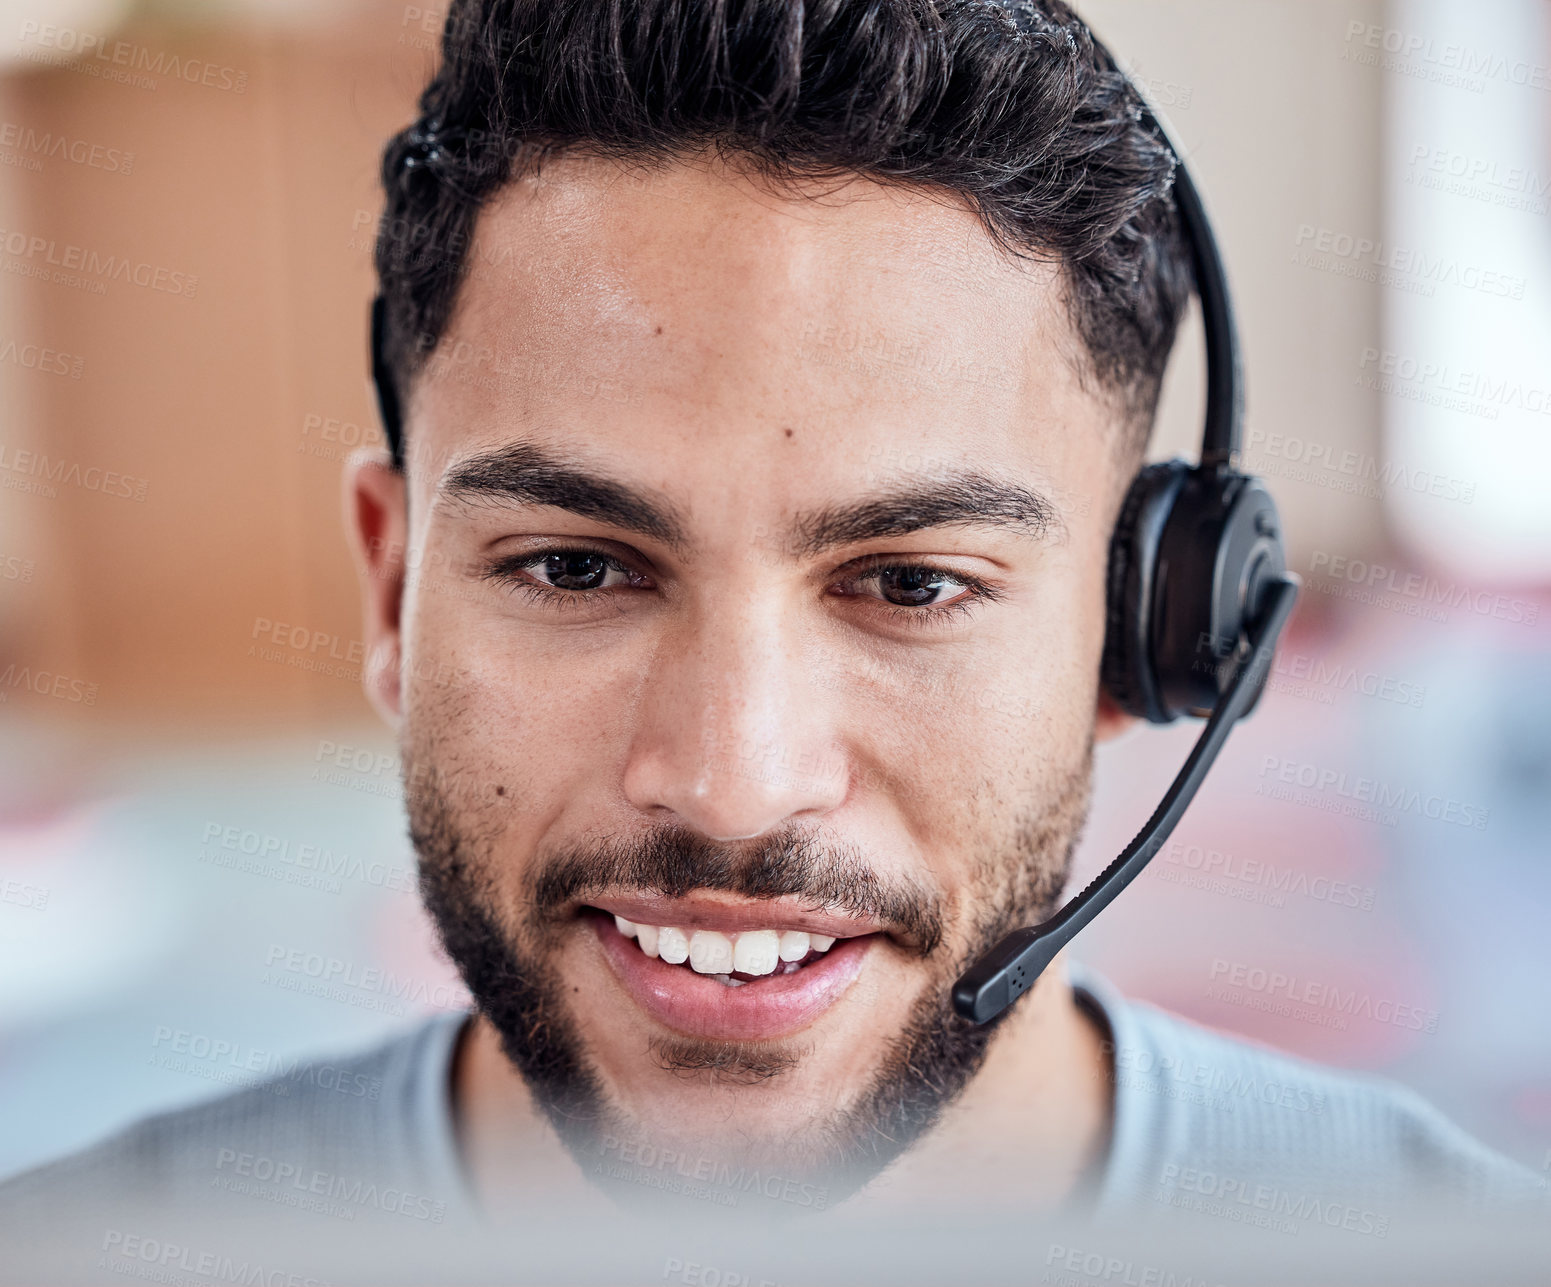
{"type": "Point", "coordinates": [377, 520]}
{"type": "Point", "coordinates": [1110, 721]}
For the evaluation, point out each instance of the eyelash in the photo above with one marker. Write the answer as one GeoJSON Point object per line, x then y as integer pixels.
{"type": "Point", "coordinates": [505, 572]}
{"type": "Point", "coordinates": [976, 591]}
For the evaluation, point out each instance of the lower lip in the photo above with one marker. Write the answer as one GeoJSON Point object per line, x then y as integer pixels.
{"type": "Point", "coordinates": [698, 1006]}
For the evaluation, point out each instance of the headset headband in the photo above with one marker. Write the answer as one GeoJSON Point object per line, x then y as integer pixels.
{"type": "Point", "coordinates": [1221, 438]}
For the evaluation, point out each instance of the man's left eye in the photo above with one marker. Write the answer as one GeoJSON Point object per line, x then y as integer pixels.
{"type": "Point", "coordinates": [910, 586]}
{"type": "Point", "coordinates": [578, 570]}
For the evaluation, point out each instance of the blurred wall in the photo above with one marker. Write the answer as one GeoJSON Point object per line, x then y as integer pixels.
{"type": "Point", "coordinates": [227, 392]}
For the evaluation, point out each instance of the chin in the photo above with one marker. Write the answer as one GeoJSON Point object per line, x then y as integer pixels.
{"type": "Point", "coordinates": [764, 1069]}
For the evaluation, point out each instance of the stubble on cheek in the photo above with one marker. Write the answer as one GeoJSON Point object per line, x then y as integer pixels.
{"type": "Point", "coordinates": [456, 776]}
{"type": "Point", "coordinates": [1024, 828]}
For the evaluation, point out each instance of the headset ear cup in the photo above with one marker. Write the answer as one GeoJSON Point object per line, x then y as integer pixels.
{"type": "Point", "coordinates": [1126, 669]}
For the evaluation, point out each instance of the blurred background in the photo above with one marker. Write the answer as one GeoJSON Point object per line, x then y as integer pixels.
{"type": "Point", "coordinates": [202, 850]}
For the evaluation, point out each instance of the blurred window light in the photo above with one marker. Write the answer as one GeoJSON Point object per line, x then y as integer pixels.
{"type": "Point", "coordinates": [1465, 365]}
{"type": "Point", "coordinates": [45, 32]}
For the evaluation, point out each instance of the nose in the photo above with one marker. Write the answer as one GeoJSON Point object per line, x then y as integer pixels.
{"type": "Point", "coordinates": [733, 736]}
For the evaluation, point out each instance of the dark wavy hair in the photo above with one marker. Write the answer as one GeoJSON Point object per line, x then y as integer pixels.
{"type": "Point", "coordinates": [1012, 104]}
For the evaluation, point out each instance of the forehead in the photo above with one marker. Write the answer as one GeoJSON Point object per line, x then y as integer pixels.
{"type": "Point", "coordinates": [696, 304]}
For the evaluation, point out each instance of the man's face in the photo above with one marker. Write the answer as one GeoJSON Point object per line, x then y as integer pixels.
{"type": "Point", "coordinates": [753, 595]}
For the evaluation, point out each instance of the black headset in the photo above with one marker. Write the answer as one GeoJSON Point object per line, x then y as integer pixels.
{"type": "Point", "coordinates": [1197, 595]}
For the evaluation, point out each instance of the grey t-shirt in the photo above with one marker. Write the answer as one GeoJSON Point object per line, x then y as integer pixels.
{"type": "Point", "coordinates": [1207, 1132]}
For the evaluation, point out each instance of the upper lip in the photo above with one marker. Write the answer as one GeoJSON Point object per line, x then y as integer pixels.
{"type": "Point", "coordinates": [731, 916]}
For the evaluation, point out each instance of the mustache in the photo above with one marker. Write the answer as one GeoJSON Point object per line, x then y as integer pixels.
{"type": "Point", "coordinates": [673, 860]}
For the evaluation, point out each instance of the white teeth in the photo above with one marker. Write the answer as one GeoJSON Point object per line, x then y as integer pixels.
{"type": "Point", "coordinates": [794, 945]}
{"type": "Point", "coordinates": [750, 952]}
{"type": "Point", "coordinates": [710, 952]}
{"type": "Point", "coordinates": [756, 952]}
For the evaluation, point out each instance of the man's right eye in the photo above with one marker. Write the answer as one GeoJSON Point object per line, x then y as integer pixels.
{"type": "Point", "coordinates": [565, 572]}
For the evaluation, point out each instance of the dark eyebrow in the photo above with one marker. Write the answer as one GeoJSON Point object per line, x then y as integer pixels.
{"type": "Point", "coordinates": [957, 499]}
{"type": "Point", "coordinates": [528, 474]}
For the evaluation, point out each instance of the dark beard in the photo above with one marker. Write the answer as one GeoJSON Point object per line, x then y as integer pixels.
{"type": "Point", "coordinates": [923, 1070]}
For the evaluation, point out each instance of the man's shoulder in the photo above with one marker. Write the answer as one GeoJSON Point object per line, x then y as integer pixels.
{"type": "Point", "coordinates": [1203, 1118]}
{"type": "Point", "coordinates": [317, 1126]}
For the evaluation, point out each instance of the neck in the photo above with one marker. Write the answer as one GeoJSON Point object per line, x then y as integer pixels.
{"type": "Point", "coordinates": [1031, 1125]}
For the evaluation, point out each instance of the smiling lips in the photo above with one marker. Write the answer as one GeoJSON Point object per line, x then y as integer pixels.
{"type": "Point", "coordinates": [727, 983]}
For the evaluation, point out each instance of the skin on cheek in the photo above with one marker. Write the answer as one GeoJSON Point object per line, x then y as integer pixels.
{"type": "Point", "coordinates": [1007, 717]}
